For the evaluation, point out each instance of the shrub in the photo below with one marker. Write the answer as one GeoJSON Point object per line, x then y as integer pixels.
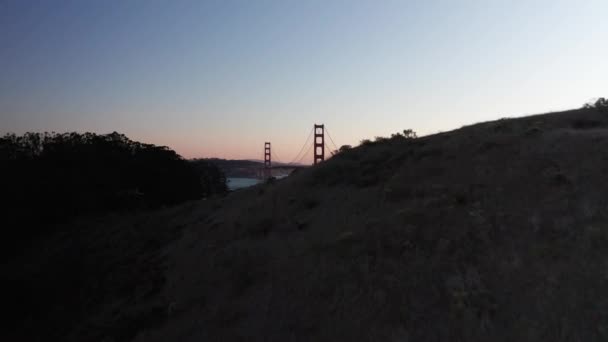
{"type": "Point", "coordinates": [366, 142]}
{"type": "Point", "coordinates": [409, 134]}
{"type": "Point", "coordinates": [343, 149]}
{"type": "Point", "coordinates": [213, 180]}
{"type": "Point", "coordinates": [601, 104]}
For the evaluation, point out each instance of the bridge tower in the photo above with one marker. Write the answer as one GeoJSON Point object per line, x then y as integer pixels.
{"type": "Point", "coordinates": [319, 144]}
{"type": "Point", "coordinates": [267, 161]}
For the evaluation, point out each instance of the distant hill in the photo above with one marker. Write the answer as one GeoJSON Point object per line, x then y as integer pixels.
{"type": "Point", "coordinates": [496, 231]}
{"type": "Point", "coordinates": [236, 168]}
{"type": "Point", "coordinates": [240, 168]}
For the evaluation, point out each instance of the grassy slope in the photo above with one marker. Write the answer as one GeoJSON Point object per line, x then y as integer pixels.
{"type": "Point", "coordinates": [493, 232]}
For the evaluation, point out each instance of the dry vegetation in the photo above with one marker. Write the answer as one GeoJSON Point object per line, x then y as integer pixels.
{"type": "Point", "coordinates": [494, 232]}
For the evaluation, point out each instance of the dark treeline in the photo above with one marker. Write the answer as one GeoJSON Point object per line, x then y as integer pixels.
{"type": "Point", "coordinates": [49, 177]}
{"type": "Point", "coordinates": [213, 178]}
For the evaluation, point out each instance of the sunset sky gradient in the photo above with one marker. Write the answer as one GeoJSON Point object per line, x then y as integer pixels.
{"type": "Point", "coordinates": [219, 78]}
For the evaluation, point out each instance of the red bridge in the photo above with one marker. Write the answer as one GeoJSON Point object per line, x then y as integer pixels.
{"type": "Point", "coordinates": [318, 145]}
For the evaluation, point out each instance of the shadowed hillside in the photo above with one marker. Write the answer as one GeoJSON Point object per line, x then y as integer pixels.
{"type": "Point", "coordinates": [493, 232]}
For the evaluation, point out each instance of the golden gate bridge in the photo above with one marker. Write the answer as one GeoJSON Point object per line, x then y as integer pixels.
{"type": "Point", "coordinates": [318, 146]}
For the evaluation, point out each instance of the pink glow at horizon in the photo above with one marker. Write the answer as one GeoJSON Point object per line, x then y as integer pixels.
{"type": "Point", "coordinates": [218, 79]}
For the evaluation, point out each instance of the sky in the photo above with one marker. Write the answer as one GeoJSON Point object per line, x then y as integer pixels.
{"type": "Point", "coordinates": [220, 78]}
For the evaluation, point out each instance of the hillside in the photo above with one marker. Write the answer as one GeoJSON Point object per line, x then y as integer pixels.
{"type": "Point", "coordinates": [493, 232]}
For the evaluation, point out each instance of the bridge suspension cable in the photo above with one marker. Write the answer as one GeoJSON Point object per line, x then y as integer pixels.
{"type": "Point", "coordinates": [276, 157]}
{"type": "Point", "coordinates": [331, 151]}
{"type": "Point", "coordinates": [302, 149]}
{"type": "Point", "coordinates": [304, 155]}
{"type": "Point", "coordinates": [332, 140]}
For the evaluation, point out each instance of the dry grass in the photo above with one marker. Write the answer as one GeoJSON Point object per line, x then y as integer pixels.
{"type": "Point", "coordinates": [494, 232]}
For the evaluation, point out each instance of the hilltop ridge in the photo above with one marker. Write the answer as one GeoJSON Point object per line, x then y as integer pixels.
{"type": "Point", "coordinates": [492, 232]}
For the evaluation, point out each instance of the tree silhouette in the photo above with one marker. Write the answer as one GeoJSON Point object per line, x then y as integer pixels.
{"type": "Point", "coordinates": [49, 177]}
{"type": "Point", "coordinates": [601, 104]}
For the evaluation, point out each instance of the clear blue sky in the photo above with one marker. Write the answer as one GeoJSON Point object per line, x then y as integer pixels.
{"type": "Point", "coordinates": [218, 78]}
